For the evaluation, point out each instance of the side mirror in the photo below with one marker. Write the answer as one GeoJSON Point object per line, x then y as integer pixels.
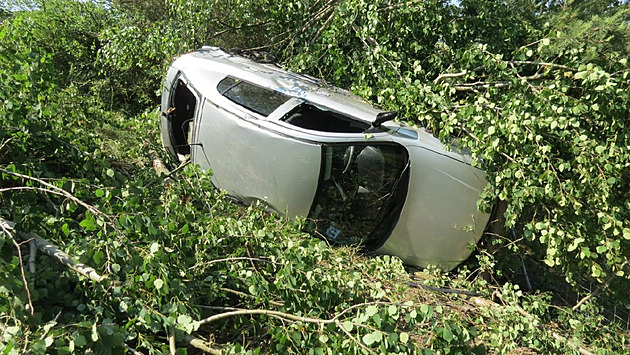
{"type": "Point", "coordinates": [384, 117]}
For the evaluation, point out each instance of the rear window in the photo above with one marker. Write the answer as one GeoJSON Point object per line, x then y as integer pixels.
{"type": "Point", "coordinates": [254, 98]}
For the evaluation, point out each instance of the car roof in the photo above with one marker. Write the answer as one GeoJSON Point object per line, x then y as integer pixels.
{"type": "Point", "coordinates": [204, 68]}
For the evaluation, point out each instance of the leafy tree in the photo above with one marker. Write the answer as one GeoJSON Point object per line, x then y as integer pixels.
{"type": "Point", "coordinates": [537, 92]}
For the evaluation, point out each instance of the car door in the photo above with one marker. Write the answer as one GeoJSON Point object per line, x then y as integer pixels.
{"type": "Point", "coordinates": [179, 109]}
{"type": "Point", "coordinates": [252, 162]}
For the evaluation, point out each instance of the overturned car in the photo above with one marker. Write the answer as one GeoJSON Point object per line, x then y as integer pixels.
{"type": "Point", "coordinates": [304, 148]}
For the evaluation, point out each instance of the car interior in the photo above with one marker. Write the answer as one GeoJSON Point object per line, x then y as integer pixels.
{"type": "Point", "coordinates": [308, 116]}
{"type": "Point", "coordinates": [180, 117]}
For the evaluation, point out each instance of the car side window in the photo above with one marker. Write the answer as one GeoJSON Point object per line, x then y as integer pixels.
{"type": "Point", "coordinates": [255, 98]}
{"type": "Point", "coordinates": [361, 192]}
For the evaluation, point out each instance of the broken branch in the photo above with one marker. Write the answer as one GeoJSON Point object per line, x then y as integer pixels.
{"type": "Point", "coordinates": [54, 251]}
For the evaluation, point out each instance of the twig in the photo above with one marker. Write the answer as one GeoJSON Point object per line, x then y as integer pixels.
{"type": "Point", "coordinates": [171, 340]}
{"type": "Point", "coordinates": [323, 27]}
{"type": "Point", "coordinates": [59, 191]}
{"type": "Point", "coordinates": [242, 26]}
{"type": "Point", "coordinates": [473, 136]}
{"type": "Point", "coordinates": [236, 258]}
{"type": "Point", "coordinates": [266, 312]}
{"type": "Point", "coordinates": [355, 339]}
{"type": "Point", "coordinates": [287, 316]}
{"type": "Point", "coordinates": [379, 54]}
{"type": "Point", "coordinates": [252, 259]}
{"type": "Point", "coordinates": [444, 290]}
{"type": "Point", "coordinates": [169, 174]}
{"type": "Point", "coordinates": [246, 295]}
{"type": "Point", "coordinates": [132, 350]}
{"type": "Point", "coordinates": [5, 142]}
{"type": "Point", "coordinates": [291, 317]}
{"type": "Point", "coordinates": [542, 64]}
{"type": "Point", "coordinates": [479, 86]}
{"type": "Point", "coordinates": [52, 250]}
{"type": "Point", "coordinates": [7, 227]}
{"type": "Point", "coordinates": [598, 290]}
{"type": "Point", "coordinates": [531, 318]}
{"type": "Point", "coordinates": [580, 349]}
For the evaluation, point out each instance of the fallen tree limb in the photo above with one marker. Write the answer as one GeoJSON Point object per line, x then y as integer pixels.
{"type": "Point", "coordinates": [231, 312]}
{"type": "Point", "coordinates": [54, 251]}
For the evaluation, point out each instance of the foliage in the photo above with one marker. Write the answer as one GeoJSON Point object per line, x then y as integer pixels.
{"type": "Point", "coordinates": [541, 105]}
{"type": "Point", "coordinates": [537, 92]}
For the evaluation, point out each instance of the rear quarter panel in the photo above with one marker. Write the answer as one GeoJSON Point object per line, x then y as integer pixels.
{"type": "Point", "coordinates": [440, 220]}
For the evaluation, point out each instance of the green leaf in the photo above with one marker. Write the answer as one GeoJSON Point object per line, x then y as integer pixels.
{"type": "Point", "coordinates": [79, 340]}
{"type": "Point", "coordinates": [447, 335]}
{"type": "Point", "coordinates": [158, 283]}
{"type": "Point", "coordinates": [404, 338]}
{"type": "Point", "coordinates": [371, 310]}
{"type": "Point", "coordinates": [392, 310]}
{"type": "Point", "coordinates": [98, 257]}
{"type": "Point", "coordinates": [372, 338]}
{"type": "Point", "coordinates": [65, 229]}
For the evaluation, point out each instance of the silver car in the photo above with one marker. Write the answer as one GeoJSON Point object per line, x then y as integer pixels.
{"type": "Point", "coordinates": [305, 148]}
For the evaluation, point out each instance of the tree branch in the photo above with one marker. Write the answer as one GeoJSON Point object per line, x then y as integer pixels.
{"type": "Point", "coordinates": [542, 64]}
{"type": "Point", "coordinates": [201, 345]}
{"type": "Point", "coordinates": [58, 191]}
{"type": "Point", "coordinates": [246, 295]}
{"type": "Point", "coordinates": [54, 251]}
{"type": "Point", "coordinates": [598, 290]}
{"type": "Point", "coordinates": [265, 312]}
{"type": "Point", "coordinates": [449, 75]}
{"type": "Point", "coordinates": [7, 227]}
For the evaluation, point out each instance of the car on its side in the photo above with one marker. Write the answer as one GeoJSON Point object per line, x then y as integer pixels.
{"type": "Point", "coordinates": [304, 148]}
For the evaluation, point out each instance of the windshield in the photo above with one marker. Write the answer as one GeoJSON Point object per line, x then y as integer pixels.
{"type": "Point", "coordinates": [361, 193]}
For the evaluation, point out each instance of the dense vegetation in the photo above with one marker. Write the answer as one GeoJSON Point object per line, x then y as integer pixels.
{"type": "Point", "coordinates": [538, 92]}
